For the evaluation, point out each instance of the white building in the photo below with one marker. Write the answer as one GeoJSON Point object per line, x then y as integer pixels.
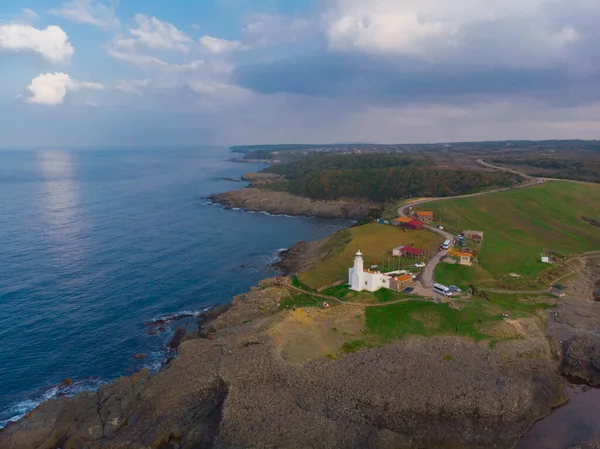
{"type": "Point", "coordinates": [361, 279]}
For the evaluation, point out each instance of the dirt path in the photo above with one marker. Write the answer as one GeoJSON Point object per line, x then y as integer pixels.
{"type": "Point", "coordinates": [341, 301]}
{"type": "Point", "coordinates": [588, 255]}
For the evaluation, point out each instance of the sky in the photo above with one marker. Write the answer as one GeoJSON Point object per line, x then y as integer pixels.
{"type": "Point", "coordinates": [224, 72]}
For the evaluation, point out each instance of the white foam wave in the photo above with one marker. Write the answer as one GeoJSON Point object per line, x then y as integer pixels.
{"type": "Point", "coordinates": [276, 257]}
{"type": "Point", "coordinates": [165, 319]}
{"type": "Point", "coordinates": [19, 409]}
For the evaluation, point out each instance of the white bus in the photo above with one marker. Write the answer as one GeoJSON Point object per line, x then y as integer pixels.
{"type": "Point", "coordinates": [446, 244]}
{"type": "Point", "coordinates": [442, 290]}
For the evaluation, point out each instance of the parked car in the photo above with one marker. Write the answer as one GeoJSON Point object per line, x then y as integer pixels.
{"type": "Point", "coordinates": [408, 290]}
{"type": "Point", "coordinates": [420, 264]}
{"type": "Point", "coordinates": [454, 289]}
{"type": "Point", "coordinates": [412, 275]}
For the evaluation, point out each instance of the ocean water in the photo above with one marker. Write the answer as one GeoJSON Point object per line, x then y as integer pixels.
{"type": "Point", "coordinates": [95, 243]}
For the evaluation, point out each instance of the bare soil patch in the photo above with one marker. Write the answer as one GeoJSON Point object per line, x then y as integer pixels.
{"type": "Point", "coordinates": [306, 334]}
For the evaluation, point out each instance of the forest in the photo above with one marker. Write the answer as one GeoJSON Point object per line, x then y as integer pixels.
{"type": "Point", "coordinates": [577, 169]}
{"type": "Point", "coordinates": [380, 178]}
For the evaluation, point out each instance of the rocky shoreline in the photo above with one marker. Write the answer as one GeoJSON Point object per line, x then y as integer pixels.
{"type": "Point", "coordinates": [254, 375]}
{"type": "Point", "coordinates": [232, 386]}
{"type": "Point", "coordinates": [282, 203]}
{"type": "Point", "coordinates": [237, 382]}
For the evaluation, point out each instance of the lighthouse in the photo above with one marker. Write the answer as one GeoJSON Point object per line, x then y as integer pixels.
{"type": "Point", "coordinates": [356, 273]}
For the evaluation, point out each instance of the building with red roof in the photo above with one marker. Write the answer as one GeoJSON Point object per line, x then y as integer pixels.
{"type": "Point", "coordinates": [414, 224]}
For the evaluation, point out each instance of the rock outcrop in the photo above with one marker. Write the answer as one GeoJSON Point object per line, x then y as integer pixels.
{"type": "Point", "coordinates": [281, 203]}
{"type": "Point", "coordinates": [241, 388]}
{"type": "Point", "coordinates": [257, 179]}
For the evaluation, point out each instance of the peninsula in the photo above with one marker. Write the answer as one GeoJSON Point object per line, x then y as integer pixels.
{"type": "Point", "coordinates": [306, 361]}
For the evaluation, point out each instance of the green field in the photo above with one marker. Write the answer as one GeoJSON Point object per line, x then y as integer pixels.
{"type": "Point", "coordinates": [344, 293]}
{"type": "Point", "coordinates": [372, 239]}
{"type": "Point", "coordinates": [518, 224]}
{"type": "Point", "coordinates": [462, 276]}
{"type": "Point", "coordinates": [473, 320]}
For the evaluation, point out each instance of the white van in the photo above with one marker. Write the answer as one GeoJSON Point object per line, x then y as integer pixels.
{"type": "Point", "coordinates": [442, 290]}
{"type": "Point", "coordinates": [446, 244]}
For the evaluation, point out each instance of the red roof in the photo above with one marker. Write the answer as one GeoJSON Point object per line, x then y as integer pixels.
{"type": "Point", "coordinates": [415, 224]}
{"type": "Point", "coordinates": [411, 250]}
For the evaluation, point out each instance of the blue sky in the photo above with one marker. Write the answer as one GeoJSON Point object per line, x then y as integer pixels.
{"type": "Point", "coordinates": [156, 72]}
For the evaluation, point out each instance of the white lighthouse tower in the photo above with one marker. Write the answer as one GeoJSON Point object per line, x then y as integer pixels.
{"type": "Point", "coordinates": [356, 274]}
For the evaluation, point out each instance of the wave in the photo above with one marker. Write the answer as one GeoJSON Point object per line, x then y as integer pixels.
{"type": "Point", "coordinates": [170, 317]}
{"type": "Point", "coordinates": [276, 256]}
{"type": "Point", "coordinates": [154, 361]}
{"type": "Point", "coordinates": [264, 212]}
{"type": "Point", "coordinates": [19, 409]}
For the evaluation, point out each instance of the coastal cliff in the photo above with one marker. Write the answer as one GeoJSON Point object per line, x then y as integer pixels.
{"type": "Point", "coordinates": [261, 381]}
{"type": "Point", "coordinates": [282, 203]}
{"type": "Point", "coordinates": [261, 374]}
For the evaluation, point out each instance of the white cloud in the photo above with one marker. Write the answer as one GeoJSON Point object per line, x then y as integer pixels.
{"type": "Point", "coordinates": [217, 45]}
{"type": "Point", "coordinates": [516, 31]}
{"type": "Point", "coordinates": [384, 27]}
{"type": "Point", "coordinates": [89, 12]}
{"type": "Point", "coordinates": [52, 42]}
{"type": "Point", "coordinates": [151, 34]}
{"type": "Point", "coordinates": [268, 29]}
{"type": "Point", "coordinates": [159, 35]}
{"type": "Point", "coordinates": [52, 88]}
{"type": "Point", "coordinates": [127, 49]}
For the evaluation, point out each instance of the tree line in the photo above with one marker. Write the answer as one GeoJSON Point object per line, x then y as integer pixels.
{"type": "Point", "coordinates": [380, 178]}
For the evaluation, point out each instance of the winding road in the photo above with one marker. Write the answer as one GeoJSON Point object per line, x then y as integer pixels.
{"type": "Point", "coordinates": [427, 275]}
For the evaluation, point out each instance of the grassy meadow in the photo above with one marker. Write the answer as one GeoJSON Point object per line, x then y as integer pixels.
{"type": "Point", "coordinates": [476, 318]}
{"type": "Point", "coordinates": [344, 293]}
{"type": "Point", "coordinates": [518, 224]}
{"type": "Point", "coordinates": [372, 239]}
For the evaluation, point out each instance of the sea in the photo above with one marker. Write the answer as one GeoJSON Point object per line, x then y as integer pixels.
{"type": "Point", "coordinates": [96, 243]}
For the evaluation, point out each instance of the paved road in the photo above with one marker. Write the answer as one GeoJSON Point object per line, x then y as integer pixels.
{"type": "Point", "coordinates": [508, 170]}
{"type": "Point", "coordinates": [426, 277]}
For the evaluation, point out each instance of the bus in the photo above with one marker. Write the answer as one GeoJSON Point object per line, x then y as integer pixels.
{"type": "Point", "coordinates": [442, 290]}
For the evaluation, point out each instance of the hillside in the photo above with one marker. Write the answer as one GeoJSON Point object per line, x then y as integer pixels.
{"type": "Point", "coordinates": [379, 178]}
{"type": "Point", "coordinates": [373, 240]}
{"type": "Point", "coordinates": [519, 224]}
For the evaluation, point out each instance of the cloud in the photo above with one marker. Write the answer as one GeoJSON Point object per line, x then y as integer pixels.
{"type": "Point", "coordinates": [217, 45]}
{"type": "Point", "coordinates": [150, 35]}
{"type": "Point", "coordinates": [513, 31]}
{"type": "Point", "coordinates": [28, 16]}
{"type": "Point", "coordinates": [89, 12]}
{"type": "Point", "coordinates": [52, 88]}
{"type": "Point", "coordinates": [52, 42]}
{"type": "Point", "coordinates": [132, 87]}
{"type": "Point", "coordinates": [159, 35]}
{"type": "Point", "coordinates": [389, 53]}
{"type": "Point", "coordinates": [273, 29]}
{"type": "Point", "coordinates": [385, 27]}
{"type": "Point", "coordinates": [128, 50]}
